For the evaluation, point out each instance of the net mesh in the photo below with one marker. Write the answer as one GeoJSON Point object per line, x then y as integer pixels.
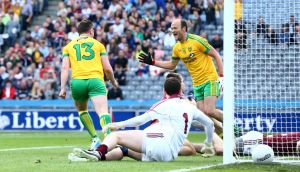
{"type": "Point", "coordinates": [267, 73]}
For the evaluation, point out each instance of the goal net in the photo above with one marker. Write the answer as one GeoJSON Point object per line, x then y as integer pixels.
{"type": "Point", "coordinates": [267, 74]}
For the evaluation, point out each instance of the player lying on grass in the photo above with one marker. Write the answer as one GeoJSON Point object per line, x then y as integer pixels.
{"type": "Point", "coordinates": [160, 141]}
{"type": "Point", "coordinates": [282, 144]}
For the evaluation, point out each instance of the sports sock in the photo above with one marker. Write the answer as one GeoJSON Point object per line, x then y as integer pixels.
{"type": "Point", "coordinates": [87, 121]}
{"type": "Point", "coordinates": [105, 119]}
{"type": "Point", "coordinates": [102, 149]}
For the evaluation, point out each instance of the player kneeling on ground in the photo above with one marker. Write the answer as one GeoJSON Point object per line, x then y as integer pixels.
{"type": "Point", "coordinates": [161, 141]}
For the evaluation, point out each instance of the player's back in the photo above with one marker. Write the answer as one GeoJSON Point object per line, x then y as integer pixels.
{"type": "Point", "coordinates": [85, 57]}
{"type": "Point", "coordinates": [174, 118]}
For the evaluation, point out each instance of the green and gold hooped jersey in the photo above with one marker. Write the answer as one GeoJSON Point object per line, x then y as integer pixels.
{"type": "Point", "coordinates": [85, 57]}
{"type": "Point", "coordinates": [193, 53]}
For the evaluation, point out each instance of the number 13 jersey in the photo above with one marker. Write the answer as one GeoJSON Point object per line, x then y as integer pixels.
{"type": "Point", "coordinates": [85, 55]}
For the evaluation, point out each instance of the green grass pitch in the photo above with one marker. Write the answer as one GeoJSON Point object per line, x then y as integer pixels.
{"type": "Point", "coordinates": [60, 144]}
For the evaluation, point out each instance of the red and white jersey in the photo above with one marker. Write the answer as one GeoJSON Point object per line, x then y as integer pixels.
{"type": "Point", "coordinates": [173, 121]}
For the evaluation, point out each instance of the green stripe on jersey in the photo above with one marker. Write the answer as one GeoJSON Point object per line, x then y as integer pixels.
{"type": "Point", "coordinates": [65, 55]}
{"type": "Point", "coordinates": [175, 58]}
{"type": "Point", "coordinates": [201, 42]}
{"type": "Point", "coordinates": [103, 54]}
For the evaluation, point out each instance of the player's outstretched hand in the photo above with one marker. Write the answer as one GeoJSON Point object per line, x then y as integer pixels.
{"type": "Point", "coordinates": [298, 146]}
{"type": "Point", "coordinates": [62, 93]}
{"type": "Point", "coordinates": [207, 150]}
{"type": "Point", "coordinates": [146, 58]}
{"type": "Point", "coordinates": [111, 126]}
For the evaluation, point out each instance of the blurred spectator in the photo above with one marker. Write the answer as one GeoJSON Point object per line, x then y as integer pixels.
{"type": "Point", "coordinates": [143, 71]}
{"type": "Point", "coordinates": [130, 39]}
{"type": "Point", "coordinates": [37, 54]}
{"type": "Point", "coordinates": [120, 75]}
{"type": "Point", "coordinates": [18, 74]}
{"type": "Point", "coordinates": [36, 92]}
{"type": "Point", "coordinates": [49, 91]}
{"type": "Point", "coordinates": [13, 28]}
{"type": "Point", "coordinates": [154, 40]}
{"type": "Point", "coordinates": [50, 57]}
{"type": "Point", "coordinates": [23, 90]}
{"type": "Point", "coordinates": [73, 34]}
{"type": "Point", "coordinates": [271, 35]}
{"type": "Point", "coordinates": [27, 14]}
{"type": "Point", "coordinates": [210, 13]}
{"type": "Point", "coordinates": [44, 49]}
{"type": "Point", "coordinates": [217, 42]}
{"type": "Point", "coordinates": [121, 60]}
{"type": "Point", "coordinates": [182, 10]}
{"type": "Point", "coordinates": [9, 91]}
{"type": "Point", "coordinates": [118, 27]}
{"type": "Point", "coordinates": [149, 5]}
{"type": "Point", "coordinates": [284, 36]}
{"type": "Point", "coordinates": [261, 27]}
{"type": "Point", "coordinates": [115, 94]}
{"type": "Point", "coordinates": [240, 34]}
{"type": "Point", "coordinates": [297, 34]}
{"type": "Point", "coordinates": [3, 76]}
{"type": "Point", "coordinates": [50, 24]}
{"type": "Point", "coordinates": [238, 9]}
{"type": "Point", "coordinates": [292, 24]}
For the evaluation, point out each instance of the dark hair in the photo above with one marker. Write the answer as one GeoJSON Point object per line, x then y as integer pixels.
{"type": "Point", "coordinates": [184, 24]}
{"type": "Point", "coordinates": [172, 86]}
{"type": "Point", "coordinates": [84, 26]}
{"type": "Point", "coordinates": [174, 75]}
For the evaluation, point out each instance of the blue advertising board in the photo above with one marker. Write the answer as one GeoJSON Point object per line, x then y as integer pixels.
{"type": "Point", "coordinates": [51, 120]}
{"type": "Point", "coordinates": [269, 122]}
{"type": "Point", "coordinates": [69, 120]}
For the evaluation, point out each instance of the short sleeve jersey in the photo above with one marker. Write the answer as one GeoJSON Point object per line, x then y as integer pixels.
{"type": "Point", "coordinates": [193, 53]}
{"type": "Point", "coordinates": [85, 55]}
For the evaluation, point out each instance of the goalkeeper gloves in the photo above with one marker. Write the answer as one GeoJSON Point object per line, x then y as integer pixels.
{"type": "Point", "coordinates": [146, 58]}
{"type": "Point", "coordinates": [207, 150]}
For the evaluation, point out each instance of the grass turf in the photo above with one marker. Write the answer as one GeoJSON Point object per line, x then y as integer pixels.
{"type": "Point", "coordinates": [55, 159]}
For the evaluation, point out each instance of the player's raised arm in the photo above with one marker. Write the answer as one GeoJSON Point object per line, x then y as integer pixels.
{"type": "Point", "coordinates": [64, 75]}
{"type": "Point", "coordinates": [214, 53]}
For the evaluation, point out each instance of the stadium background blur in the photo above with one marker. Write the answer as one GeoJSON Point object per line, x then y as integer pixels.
{"type": "Point", "coordinates": [30, 56]}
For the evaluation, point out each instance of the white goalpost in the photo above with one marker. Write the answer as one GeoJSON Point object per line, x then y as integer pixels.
{"type": "Point", "coordinates": [262, 75]}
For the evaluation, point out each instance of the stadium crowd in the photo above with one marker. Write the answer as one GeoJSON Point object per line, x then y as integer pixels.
{"type": "Point", "coordinates": [30, 64]}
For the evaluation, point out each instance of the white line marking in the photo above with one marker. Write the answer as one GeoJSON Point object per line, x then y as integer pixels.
{"type": "Point", "coordinates": [36, 148]}
{"type": "Point", "coordinates": [195, 168]}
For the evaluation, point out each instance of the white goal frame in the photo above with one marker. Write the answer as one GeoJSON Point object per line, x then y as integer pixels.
{"type": "Point", "coordinates": [229, 94]}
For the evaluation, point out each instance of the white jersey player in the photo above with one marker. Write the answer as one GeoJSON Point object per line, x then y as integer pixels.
{"type": "Point", "coordinates": [160, 141]}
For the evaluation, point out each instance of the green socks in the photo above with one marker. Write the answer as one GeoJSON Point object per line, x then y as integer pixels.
{"type": "Point", "coordinates": [87, 121]}
{"type": "Point", "coordinates": [105, 119]}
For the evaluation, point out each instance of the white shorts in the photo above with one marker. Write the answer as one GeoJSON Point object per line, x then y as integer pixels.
{"type": "Point", "coordinates": [156, 148]}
